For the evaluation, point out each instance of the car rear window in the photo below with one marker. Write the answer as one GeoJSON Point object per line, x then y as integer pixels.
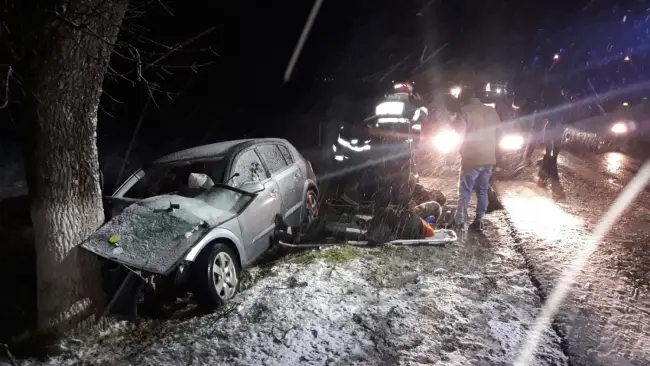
{"type": "Point", "coordinates": [273, 157]}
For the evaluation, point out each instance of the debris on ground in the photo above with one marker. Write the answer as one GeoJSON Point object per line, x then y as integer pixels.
{"type": "Point", "coordinates": [466, 303]}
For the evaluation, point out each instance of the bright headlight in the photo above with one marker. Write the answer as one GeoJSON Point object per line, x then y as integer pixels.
{"type": "Point", "coordinates": [511, 142]}
{"type": "Point", "coordinates": [393, 120]}
{"type": "Point", "coordinates": [446, 141]}
{"type": "Point", "coordinates": [389, 108]}
{"type": "Point", "coordinates": [619, 128]}
{"type": "Point", "coordinates": [352, 147]}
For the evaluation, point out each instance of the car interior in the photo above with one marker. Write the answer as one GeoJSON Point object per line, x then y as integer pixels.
{"type": "Point", "coordinates": [188, 179]}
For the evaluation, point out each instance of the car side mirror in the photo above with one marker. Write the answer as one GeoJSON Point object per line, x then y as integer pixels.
{"type": "Point", "coordinates": [252, 187]}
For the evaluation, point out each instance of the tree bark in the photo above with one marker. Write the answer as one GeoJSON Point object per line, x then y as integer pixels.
{"type": "Point", "coordinates": [63, 85]}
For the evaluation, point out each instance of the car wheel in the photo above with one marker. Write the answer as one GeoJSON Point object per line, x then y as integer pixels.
{"type": "Point", "coordinates": [215, 276]}
{"type": "Point", "coordinates": [311, 206]}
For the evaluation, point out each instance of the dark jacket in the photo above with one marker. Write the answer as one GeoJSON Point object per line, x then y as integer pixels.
{"type": "Point", "coordinates": [480, 127]}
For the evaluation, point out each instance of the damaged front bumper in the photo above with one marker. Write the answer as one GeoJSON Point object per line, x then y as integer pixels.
{"type": "Point", "coordinates": [131, 291]}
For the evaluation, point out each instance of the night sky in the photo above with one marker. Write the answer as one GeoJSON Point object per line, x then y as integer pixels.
{"type": "Point", "coordinates": [353, 44]}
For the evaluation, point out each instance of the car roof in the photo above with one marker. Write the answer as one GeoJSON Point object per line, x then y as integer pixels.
{"type": "Point", "coordinates": [213, 150]}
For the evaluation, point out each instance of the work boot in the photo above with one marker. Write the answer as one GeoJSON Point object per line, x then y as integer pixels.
{"type": "Point", "coordinates": [493, 201]}
{"type": "Point", "coordinates": [477, 226]}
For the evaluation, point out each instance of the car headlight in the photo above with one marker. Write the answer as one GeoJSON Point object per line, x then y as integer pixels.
{"type": "Point", "coordinates": [392, 120]}
{"type": "Point", "coordinates": [511, 142]}
{"type": "Point", "coordinates": [619, 128]}
{"type": "Point", "coordinates": [352, 144]}
{"type": "Point", "coordinates": [389, 108]}
{"type": "Point", "coordinates": [446, 141]}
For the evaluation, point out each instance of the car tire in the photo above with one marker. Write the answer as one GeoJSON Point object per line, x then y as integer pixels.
{"type": "Point", "coordinates": [310, 209]}
{"type": "Point", "coordinates": [215, 276]}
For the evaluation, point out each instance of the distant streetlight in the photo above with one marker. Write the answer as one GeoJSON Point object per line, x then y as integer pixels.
{"type": "Point", "coordinates": [625, 104]}
{"type": "Point", "coordinates": [627, 58]}
{"type": "Point", "coordinates": [455, 91]}
{"type": "Point", "coordinates": [556, 56]}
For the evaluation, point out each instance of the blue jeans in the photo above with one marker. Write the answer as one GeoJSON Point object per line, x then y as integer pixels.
{"type": "Point", "coordinates": [478, 179]}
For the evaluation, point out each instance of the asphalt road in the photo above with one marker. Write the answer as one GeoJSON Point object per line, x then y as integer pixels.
{"type": "Point", "coordinates": [605, 319]}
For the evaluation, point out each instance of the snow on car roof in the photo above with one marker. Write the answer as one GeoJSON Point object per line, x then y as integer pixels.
{"type": "Point", "coordinates": [211, 150]}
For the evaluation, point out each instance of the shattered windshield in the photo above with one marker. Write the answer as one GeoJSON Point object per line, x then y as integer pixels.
{"type": "Point", "coordinates": [226, 198]}
{"type": "Point", "coordinates": [174, 178]}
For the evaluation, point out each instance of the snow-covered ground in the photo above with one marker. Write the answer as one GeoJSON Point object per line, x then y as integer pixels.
{"type": "Point", "coordinates": [469, 303]}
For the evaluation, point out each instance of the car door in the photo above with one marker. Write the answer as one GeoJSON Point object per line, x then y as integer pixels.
{"type": "Point", "coordinates": [258, 219]}
{"type": "Point", "coordinates": [289, 178]}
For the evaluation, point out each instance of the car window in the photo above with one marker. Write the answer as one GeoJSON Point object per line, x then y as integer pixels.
{"type": "Point", "coordinates": [250, 169]}
{"type": "Point", "coordinates": [272, 157]}
{"type": "Point", "coordinates": [287, 155]}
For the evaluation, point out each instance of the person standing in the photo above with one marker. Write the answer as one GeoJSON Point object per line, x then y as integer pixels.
{"type": "Point", "coordinates": [553, 98]}
{"type": "Point", "coordinates": [552, 138]}
{"type": "Point", "coordinates": [480, 124]}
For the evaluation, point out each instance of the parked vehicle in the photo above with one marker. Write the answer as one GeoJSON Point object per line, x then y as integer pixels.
{"type": "Point", "coordinates": [192, 220]}
{"type": "Point", "coordinates": [615, 131]}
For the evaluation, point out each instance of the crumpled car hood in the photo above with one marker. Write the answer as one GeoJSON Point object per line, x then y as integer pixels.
{"type": "Point", "coordinates": [152, 237]}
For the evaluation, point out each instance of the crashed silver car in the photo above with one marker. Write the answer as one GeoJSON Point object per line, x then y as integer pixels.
{"type": "Point", "coordinates": [190, 221]}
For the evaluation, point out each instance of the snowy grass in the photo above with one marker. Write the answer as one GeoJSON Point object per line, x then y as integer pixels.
{"type": "Point", "coordinates": [464, 304]}
{"type": "Point", "coordinates": [333, 255]}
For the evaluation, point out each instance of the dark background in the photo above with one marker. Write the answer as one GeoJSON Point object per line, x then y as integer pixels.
{"type": "Point", "coordinates": [349, 54]}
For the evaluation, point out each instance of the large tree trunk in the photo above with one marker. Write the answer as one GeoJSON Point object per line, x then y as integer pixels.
{"type": "Point", "coordinates": [64, 84]}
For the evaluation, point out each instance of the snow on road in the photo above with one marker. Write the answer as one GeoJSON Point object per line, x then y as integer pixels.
{"type": "Point", "coordinates": [465, 304]}
{"type": "Point", "coordinates": [605, 318]}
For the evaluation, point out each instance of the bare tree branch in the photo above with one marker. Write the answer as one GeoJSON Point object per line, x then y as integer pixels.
{"type": "Point", "coordinates": [179, 46]}
{"type": "Point", "coordinates": [5, 102]}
